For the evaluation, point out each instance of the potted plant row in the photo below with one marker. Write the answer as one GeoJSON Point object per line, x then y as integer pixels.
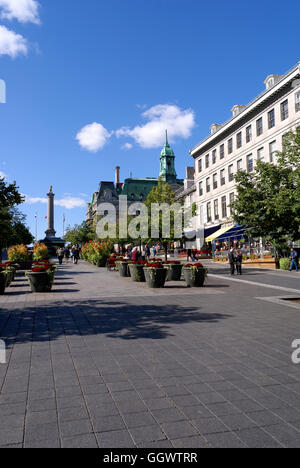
{"type": "Point", "coordinates": [174, 268]}
{"type": "Point", "coordinates": [155, 275]}
{"type": "Point", "coordinates": [19, 257]}
{"type": "Point", "coordinates": [136, 270]}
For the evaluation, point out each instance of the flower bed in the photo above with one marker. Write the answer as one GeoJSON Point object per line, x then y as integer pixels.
{"type": "Point", "coordinates": [19, 256]}
{"type": "Point", "coordinates": [40, 252]}
{"type": "Point", "coordinates": [97, 252]}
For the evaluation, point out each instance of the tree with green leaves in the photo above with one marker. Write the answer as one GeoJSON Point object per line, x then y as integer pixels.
{"type": "Point", "coordinates": [12, 228]}
{"type": "Point", "coordinates": [80, 234]}
{"type": "Point", "coordinates": [268, 199]}
{"type": "Point", "coordinates": [162, 194]}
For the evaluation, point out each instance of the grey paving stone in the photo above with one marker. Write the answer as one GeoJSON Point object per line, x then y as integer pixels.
{"type": "Point", "coordinates": [258, 438]}
{"type": "Point", "coordinates": [42, 405]}
{"type": "Point", "coordinates": [225, 440]}
{"type": "Point", "coordinates": [81, 441]}
{"type": "Point", "coordinates": [190, 442]}
{"type": "Point", "coordinates": [38, 432]}
{"type": "Point", "coordinates": [72, 414]}
{"type": "Point", "coordinates": [168, 415]}
{"type": "Point", "coordinates": [115, 439]}
{"type": "Point", "coordinates": [185, 400]}
{"type": "Point", "coordinates": [108, 423]}
{"type": "Point", "coordinates": [147, 434]}
{"type": "Point", "coordinates": [133, 420]}
{"type": "Point", "coordinates": [223, 409]}
{"type": "Point", "coordinates": [50, 444]}
{"type": "Point", "coordinates": [158, 403]}
{"type": "Point", "coordinates": [238, 421]}
{"type": "Point", "coordinates": [209, 426]}
{"type": "Point", "coordinates": [11, 435]}
{"type": "Point", "coordinates": [74, 428]}
{"type": "Point", "coordinates": [178, 429]}
{"type": "Point", "coordinates": [41, 417]}
{"type": "Point", "coordinates": [199, 411]}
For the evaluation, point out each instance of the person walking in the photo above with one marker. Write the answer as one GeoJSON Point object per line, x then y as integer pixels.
{"type": "Point", "coordinates": [60, 255]}
{"type": "Point", "coordinates": [135, 255]}
{"type": "Point", "coordinates": [154, 252]}
{"type": "Point", "coordinates": [189, 255]}
{"type": "Point", "coordinates": [294, 260]}
{"type": "Point", "coordinates": [67, 254]}
{"type": "Point", "coordinates": [231, 259]}
{"type": "Point", "coordinates": [239, 261]}
{"type": "Point", "coordinates": [147, 253]}
{"type": "Point", "coordinates": [76, 254]}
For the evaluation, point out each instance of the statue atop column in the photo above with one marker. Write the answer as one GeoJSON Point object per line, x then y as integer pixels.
{"type": "Point", "coordinates": [50, 230]}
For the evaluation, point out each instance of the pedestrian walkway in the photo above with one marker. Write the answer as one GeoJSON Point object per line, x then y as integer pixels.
{"type": "Point", "coordinates": [104, 362]}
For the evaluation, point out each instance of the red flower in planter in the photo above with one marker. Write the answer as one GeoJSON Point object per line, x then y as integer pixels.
{"type": "Point", "coordinates": [38, 270]}
{"type": "Point", "coordinates": [196, 265]}
{"type": "Point", "coordinates": [154, 265]}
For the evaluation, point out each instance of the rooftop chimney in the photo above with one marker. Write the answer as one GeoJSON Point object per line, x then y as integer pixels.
{"type": "Point", "coordinates": [236, 110]}
{"type": "Point", "coordinates": [117, 175]}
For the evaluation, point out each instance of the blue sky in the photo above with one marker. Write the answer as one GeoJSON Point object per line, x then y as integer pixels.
{"type": "Point", "coordinates": [130, 68]}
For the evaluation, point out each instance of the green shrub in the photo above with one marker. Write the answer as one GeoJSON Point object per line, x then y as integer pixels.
{"type": "Point", "coordinates": [285, 264]}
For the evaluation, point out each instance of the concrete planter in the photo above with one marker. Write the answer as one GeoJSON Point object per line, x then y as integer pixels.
{"type": "Point", "coordinates": [124, 269]}
{"type": "Point", "coordinates": [194, 277]}
{"type": "Point", "coordinates": [155, 277]}
{"type": "Point", "coordinates": [174, 272]}
{"type": "Point", "coordinates": [39, 282]}
{"type": "Point", "coordinates": [137, 273]}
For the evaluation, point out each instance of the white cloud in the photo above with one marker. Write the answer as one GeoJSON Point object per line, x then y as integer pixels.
{"type": "Point", "coordinates": [25, 11]}
{"type": "Point", "coordinates": [178, 122]}
{"type": "Point", "coordinates": [68, 202]}
{"type": "Point", "coordinates": [127, 146]}
{"type": "Point", "coordinates": [3, 175]}
{"type": "Point", "coordinates": [93, 137]}
{"type": "Point", "coordinates": [11, 43]}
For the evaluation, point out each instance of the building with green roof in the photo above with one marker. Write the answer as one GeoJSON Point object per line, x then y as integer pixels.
{"type": "Point", "coordinates": [135, 189]}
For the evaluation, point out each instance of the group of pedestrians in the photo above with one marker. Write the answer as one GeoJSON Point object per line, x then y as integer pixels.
{"type": "Point", "coordinates": [67, 253]}
{"type": "Point", "coordinates": [235, 258]}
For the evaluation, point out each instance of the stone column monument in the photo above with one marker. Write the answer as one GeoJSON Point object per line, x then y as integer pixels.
{"type": "Point", "coordinates": [50, 231]}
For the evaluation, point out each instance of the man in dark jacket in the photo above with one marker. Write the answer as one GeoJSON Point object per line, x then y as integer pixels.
{"type": "Point", "coordinates": [239, 261]}
{"type": "Point", "coordinates": [231, 259]}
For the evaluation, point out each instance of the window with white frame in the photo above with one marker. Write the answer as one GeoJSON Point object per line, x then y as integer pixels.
{"type": "Point", "coordinates": [230, 173]}
{"type": "Point", "coordinates": [214, 156]}
{"type": "Point", "coordinates": [239, 140]}
{"type": "Point", "coordinates": [215, 181]}
{"type": "Point", "coordinates": [208, 184]}
{"type": "Point", "coordinates": [272, 151]}
{"type": "Point", "coordinates": [249, 134]}
{"type": "Point", "coordinates": [271, 118]}
{"type": "Point", "coordinates": [200, 165]}
{"type": "Point", "coordinates": [297, 101]}
{"type": "Point", "coordinates": [284, 109]}
{"type": "Point", "coordinates": [230, 146]}
{"type": "Point", "coordinates": [250, 164]}
{"type": "Point", "coordinates": [259, 126]}
{"type": "Point", "coordinates": [239, 165]}
{"type": "Point", "coordinates": [216, 209]}
{"type": "Point", "coordinates": [207, 161]}
{"type": "Point", "coordinates": [222, 152]}
{"type": "Point", "coordinates": [200, 189]}
{"type": "Point", "coordinates": [208, 212]}
{"type": "Point", "coordinates": [222, 177]}
{"type": "Point", "coordinates": [224, 207]}
{"type": "Point", "coordinates": [261, 154]}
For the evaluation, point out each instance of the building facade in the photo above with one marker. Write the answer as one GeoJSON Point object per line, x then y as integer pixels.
{"type": "Point", "coordinates": [135, 189]}
{"type": "Point", "coordinates": [253, 133]}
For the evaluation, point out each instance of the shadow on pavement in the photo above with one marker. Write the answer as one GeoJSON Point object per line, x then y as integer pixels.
{"type": "Point", "coordinates": [97, 317]}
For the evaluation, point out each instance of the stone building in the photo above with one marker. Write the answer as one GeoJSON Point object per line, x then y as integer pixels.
{"type": "Point", "coordinates": [135, 189]}
{"type": "Point", "coordinates": [254, 132]}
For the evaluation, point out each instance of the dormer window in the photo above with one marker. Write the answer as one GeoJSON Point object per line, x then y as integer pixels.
{"type": "Point", "coordinates": [271, 80]}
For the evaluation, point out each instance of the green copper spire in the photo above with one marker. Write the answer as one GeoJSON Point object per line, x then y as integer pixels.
{"type": "Point", "coordinates": [167, 163]}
